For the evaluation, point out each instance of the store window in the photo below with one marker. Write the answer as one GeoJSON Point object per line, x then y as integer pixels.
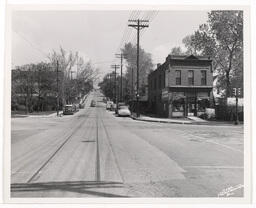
{"type": "Point", "coordinates": [178, 77]}
{"type": "Point", "coordinates": [191, 77]}
{"type": "Point", "coordinates": [202, 104]}
{"type": "Point", "coordinates": [203, 77]}
{"type": "Point", "coordinates": [178, 105]}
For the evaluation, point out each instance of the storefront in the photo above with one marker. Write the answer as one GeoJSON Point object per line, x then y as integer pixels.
{"type": "Point", "coordinates": [176, 104]}
{"type": "Point", "coordinates": [186, 103]}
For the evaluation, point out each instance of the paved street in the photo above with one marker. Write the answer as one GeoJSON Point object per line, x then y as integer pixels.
{"type": "Point", "coordinates": [96, 154]}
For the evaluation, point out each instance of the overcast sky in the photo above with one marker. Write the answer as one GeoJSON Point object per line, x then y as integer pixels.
{"type": "Point", "coordinates": [96, 35]}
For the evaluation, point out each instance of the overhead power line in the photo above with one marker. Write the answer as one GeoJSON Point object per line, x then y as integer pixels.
{"type": "Point", "coordinates": [34, 46]}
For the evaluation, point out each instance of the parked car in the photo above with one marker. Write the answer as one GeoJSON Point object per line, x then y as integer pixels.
{"type": "Point", "coordinates": [108, 105]}
{"type": "Point", "coordinates": [93, 103]}
{"type": "Point", "coordinates": [68, 110]}
{"type": "Point", "coordinates": [118, 107]}
{"type": "Point", "coordinates": [113, 107]}
{"type": "Point", "coordinates": [123, 110]}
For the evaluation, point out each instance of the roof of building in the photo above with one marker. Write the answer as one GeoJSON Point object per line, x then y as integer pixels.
{"type": "Point", "coordinates": [188, 57]}
{"type": "Point", "coordinates": [180, 58]}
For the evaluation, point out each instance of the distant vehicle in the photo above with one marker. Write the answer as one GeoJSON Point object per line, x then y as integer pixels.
{"type": "Point", "coordinates": [113, 107]}
{"type": "Point", "coordinates": [93, 103]}
{"type": "Point", "coordinates": [68, 110]}
{"type": "Point", "coordinates": [118, 107]}
{"type": "Point", "coordinates": [123, 110]}
{"type": "Point", "coordinates": [108, 105]}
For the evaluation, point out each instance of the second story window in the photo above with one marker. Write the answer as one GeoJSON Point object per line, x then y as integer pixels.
{"type": "Point", "coordinates": [178, 77]}
{"type": "Point", "coordinates": [203, 77]}
{"type": "Point", "coordinates": [190, 77]}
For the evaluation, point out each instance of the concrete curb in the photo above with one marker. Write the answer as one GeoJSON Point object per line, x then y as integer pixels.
{"type": "Point", "coordinates": [159, 121]}
{"type": "Point", "coordinates": [184, 122]}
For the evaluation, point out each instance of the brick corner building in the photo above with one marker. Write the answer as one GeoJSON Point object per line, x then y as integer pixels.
{"type": "Point", "coordinates": [181, 86]}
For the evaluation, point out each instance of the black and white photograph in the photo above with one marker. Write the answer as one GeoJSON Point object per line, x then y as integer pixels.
{"type": "Point", "coordinates": [130, 102]}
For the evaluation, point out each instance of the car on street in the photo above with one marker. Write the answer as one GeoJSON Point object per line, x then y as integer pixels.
{"type": "Point", "coordinates": [93, 103]}
{"type": "Point", "coordinates": [118, 106]}
{"type": "Point", "coordinates": [123, 110]}
{"type": "Point", "coordinates": [108, 105]}
{"type": "Point", "coordinates": [68, 110]}
{"type": "Point", "coordinates": [113, 107]}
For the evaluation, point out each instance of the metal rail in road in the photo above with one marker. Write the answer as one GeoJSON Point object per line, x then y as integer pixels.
{"type": "Point", "coordinates": [58, 149]}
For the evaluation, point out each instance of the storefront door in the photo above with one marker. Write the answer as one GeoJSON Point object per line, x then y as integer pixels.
{"type": "Point", "coordinates": [191, 106]}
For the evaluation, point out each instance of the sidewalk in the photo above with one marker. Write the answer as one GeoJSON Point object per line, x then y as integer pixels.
{"type": "Point", "coordinates": [162, 120]}
{"type": "Point", "coordinates": [37, 115]}
{"type": "Point", "coordinates": [194, 121]}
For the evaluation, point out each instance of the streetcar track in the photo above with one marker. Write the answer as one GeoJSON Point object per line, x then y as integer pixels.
{"type": "Point", "coordinates": [97, 167]}
{"type": "Point", "coordinates": [56, 151]}
{"type": "Point", "coordinates": [112, 150]}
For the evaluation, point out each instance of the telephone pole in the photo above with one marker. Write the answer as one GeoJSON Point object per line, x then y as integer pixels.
{"type": "Point", "coordinates": [132, 90]}
{"type": "Point", "coordinates": [138, 27]}
{"type": "Point", "coordinates": [115, 66]}
{"type": "Point", "coordinates": [57, 108]}
{"type": "Point", "coordinates": [121, 56]}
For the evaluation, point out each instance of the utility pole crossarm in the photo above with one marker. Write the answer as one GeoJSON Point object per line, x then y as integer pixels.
{"type": "Point", "coordinates": [136, 20]}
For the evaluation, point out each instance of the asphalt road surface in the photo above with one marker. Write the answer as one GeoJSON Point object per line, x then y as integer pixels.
{"type": "Point", "coordinates": [96, 154]}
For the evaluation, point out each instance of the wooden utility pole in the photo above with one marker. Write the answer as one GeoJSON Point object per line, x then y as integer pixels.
{"type": "Point", "coordinates": [132, 90]}
{"type": "Point", "coordinates": [138, 27]}
{"type": "Point", "coordinates": [121, 56]}
{"type": "Point", "coordinates": [237, 93]}
{"type": "Point", "coordinates": [57, 70]}
{"type": "Point", "coordinates": [115, 66]}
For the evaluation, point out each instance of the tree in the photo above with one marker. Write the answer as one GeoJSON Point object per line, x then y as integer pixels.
{"type": "Point", "coordinates": [73, 85]}
{"type": "Point", "coordinates": [107, 85]}
{"type": "Point", "coordinates": [222, 39]}
{"type": "Point", "coordinates": [145, 67]}
{"type": "Point", "coordinates": [191, 44]}
{"type": "Point", "coordinates": [35, 85]}
{"type": "Point", "coordinates": [177, 51]}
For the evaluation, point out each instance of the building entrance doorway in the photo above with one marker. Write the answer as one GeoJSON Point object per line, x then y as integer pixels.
{"type": "Point", "coordinates": [191, 106]}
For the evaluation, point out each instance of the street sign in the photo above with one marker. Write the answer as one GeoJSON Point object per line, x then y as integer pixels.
{"type": "Point", "coordinates": [165, 94]}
